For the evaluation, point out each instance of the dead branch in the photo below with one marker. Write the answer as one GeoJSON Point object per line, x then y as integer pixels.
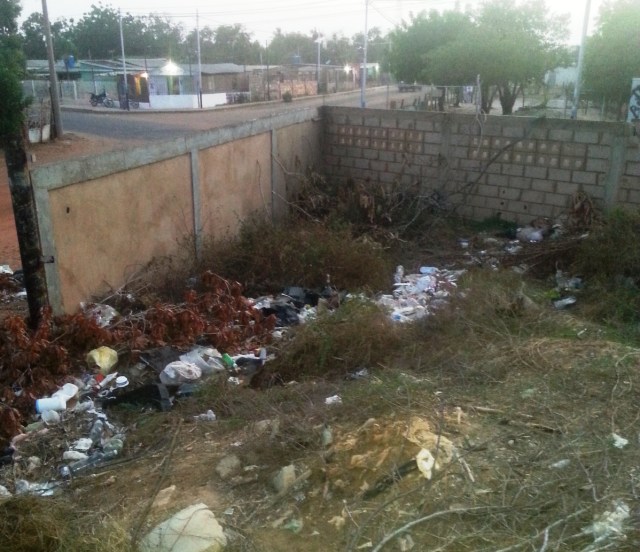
{"type": "Point", "coordinates": [544, 531]}
{"type": "Point", "coordinates": [435, 515]}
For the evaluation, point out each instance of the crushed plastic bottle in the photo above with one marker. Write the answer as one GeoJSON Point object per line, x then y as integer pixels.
{"type": "Point", "coordinates": [96, 431]}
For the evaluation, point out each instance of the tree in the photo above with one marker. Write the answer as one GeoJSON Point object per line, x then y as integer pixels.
{"type": "Point", "coordinates": [508, 44]}
{"type": "Point", "coordinates": [34, 46]}
{"type": "Point", "coordinates": [12, 65]}
{"type": "Point", "coordinates": [612, 56]}
{"type": "Point", "coordinates": [413, 42]}
{"type": "Point", "coordinates": [291, 47]}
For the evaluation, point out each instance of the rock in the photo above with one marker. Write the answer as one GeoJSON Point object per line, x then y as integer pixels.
{"type": "Point", "coordinates": [284, 479]}
{"type": "Point", "coordinates": [194, 529]}
{"type": "Point", "coordinates": [228, 466]}
{"type": "Point", "coordinates": [163, 497]}
{"type": "Point", "coordinates": [4, 493]}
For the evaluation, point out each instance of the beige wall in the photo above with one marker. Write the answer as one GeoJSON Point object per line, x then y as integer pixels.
{"type": "Point", "coordinates": [108, 228]}
{"type": "Point", "coordinates": [103, 218]}
{"type": "Point", "coordinates": [235, 182]}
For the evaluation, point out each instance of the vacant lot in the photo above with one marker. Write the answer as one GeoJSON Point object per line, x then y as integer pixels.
{"type": "Point", "coordinates": [496, 422]}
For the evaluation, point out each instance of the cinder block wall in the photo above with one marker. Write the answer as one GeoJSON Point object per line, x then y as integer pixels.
{"type": "Point", "coordinates": [517, 167]}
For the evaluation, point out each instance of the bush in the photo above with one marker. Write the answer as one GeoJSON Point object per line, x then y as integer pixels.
{"type": "Point", "coordinates": [287, 97]}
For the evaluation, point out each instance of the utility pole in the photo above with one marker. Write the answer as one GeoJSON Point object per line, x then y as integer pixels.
{"type": "Point", "coordinates": [199, 62]}
{"type": "Point", "coordinates": [24, 211]}
{"type": "Point", "coordinates": [124, 67]}
{"type": "Point", "coordinates": [363, 80]}
{"type": "Point", "coordinates": [53, 78]}
{"type": "Point", "coordinates": [576, 90]}
{"type": "Point", "coordinates": [319, 42]}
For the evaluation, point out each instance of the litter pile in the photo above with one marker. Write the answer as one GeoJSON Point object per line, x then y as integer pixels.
{"type": "Point", "coordinates": [417, 295]}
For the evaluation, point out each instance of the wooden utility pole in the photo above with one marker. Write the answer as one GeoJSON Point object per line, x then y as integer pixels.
{"type": "Point", "coordinates": [24, 211]}
{"type": "Point", "coordinates": [58, 131]}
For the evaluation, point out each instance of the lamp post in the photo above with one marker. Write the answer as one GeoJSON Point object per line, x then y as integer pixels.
{"type": "Point", "coordinates": [363, 80]}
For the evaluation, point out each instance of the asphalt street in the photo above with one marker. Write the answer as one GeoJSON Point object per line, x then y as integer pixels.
{"type": "Point", "coordinates": [158, 125]}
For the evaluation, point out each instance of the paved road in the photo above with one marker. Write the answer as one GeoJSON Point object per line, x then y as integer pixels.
{"type": "Point", "coordinates": [138, 125]}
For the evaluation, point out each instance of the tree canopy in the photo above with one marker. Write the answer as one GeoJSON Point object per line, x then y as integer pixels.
{"type": "Point", "coordinates": [11, 69]}
{"type": "Point", "coordinates": [612, 56]}
{"type": "Point", "coordinates": [506, 43]}
{"type": "Point", "coordinates": [96, 35]}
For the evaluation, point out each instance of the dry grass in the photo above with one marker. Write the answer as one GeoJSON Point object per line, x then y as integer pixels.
{"type": "Point", "coordinates": [529, 396]}
{"type": "Point", "coordinates": [30, 524]}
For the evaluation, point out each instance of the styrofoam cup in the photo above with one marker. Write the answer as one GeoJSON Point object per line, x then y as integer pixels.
{"type": "Point", "coordinates": [50, 403]}
{"type": "Point", "coordinates": [67, 391]}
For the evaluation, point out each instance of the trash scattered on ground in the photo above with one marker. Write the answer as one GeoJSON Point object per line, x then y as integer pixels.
{"type": "Point", "coordinates": [193, 529]}
{"type": "Point", "coordinates": [418, 295]}
{"type": "Point", "coordinates": [619, 441]}
{"type": "Point", "coordinates": [208, 416]}
{"type": "Point", "coordinates": [334, 399]}
{"type": "Point", "coordinates": [104, 358]}
{"type": "Point", "coordinates": [561, 304]}
{"type": "Point", "coordinates": [608, 526]}
{"type": "Point", "coordinates": [561, 464]}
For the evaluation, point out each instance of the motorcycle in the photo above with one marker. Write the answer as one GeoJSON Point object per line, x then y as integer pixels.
{"type": "Point", "coordinates": [102, 98]}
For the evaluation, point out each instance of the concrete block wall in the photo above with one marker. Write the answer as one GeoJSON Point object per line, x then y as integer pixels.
{"type": "Point", "coordinates": [519, 168]}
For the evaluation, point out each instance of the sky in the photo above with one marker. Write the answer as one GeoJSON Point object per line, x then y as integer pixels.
{"type": "Point", "coordinates": [263, 17]}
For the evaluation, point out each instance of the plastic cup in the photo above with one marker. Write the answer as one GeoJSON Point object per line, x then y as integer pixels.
{"type": "Point", "coordinates": [50, 403]}
{"type": "Point", "coordinates": [67, 391]}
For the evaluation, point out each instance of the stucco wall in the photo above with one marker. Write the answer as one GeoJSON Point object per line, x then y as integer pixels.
{"type": "Point", "coordinates": [235, 182]}
{"type": "Point", "coordinates": [518, 167]}
{"type": "Point", "coordinates": [109, 227]}
{"type": "Point", "coordinates": [104, 217]}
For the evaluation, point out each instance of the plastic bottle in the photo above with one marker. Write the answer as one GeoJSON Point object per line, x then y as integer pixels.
{"type": "Point", "coordinates": [96, 431]}
{"type": "Point", "coordinates": [113, 445]}
{"type": "Point", "coordinates": [87, 463]}
{"type": "Point", "coordinates": [228, 361]}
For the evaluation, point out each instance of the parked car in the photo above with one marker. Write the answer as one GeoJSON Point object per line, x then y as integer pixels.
{"type": "Point", "coordinates": [406, 87]}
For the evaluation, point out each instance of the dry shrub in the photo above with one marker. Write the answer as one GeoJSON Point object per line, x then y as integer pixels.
{"type": "Point", "coordinates": [359, 334]}
{"type": "Point", "coordinates": [29, 524]}
{"type": "Point", "coordinates": [612, 248]}
{"type": "Point", "coordinates": [610, 261]}
{"type": "Point", "coordinates": [268, 257]}
{"type": "Point", "coordinates": [463, 340]}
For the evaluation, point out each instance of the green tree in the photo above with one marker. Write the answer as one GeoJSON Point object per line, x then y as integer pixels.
{"type": "Point", "coordinates": [284, 48]}
{"type": "Point", "coordinates": [160, 37]}
{"type": "Point", "coordinates": [612, 56]}
{"type": "Point", "coordinates": [32, 31]}
{"type": "Point", "coordinates": [413, 43]}
{"type": "Point", "coordinates": [11, 70]}
{"type": "Point", "coordinates": [508, 44]}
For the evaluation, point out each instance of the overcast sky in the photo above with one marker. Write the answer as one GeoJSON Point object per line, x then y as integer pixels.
{"type": "Point", "coordinates": [263, 17]}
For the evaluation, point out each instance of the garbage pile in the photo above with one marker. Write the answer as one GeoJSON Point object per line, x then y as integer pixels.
{"type": "Point", "coordinates": [72, 426]}
{"type": "Point", "coordinates": [418, 295]}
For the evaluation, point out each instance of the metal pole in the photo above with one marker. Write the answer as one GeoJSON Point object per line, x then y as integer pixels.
{"type": "Point", "coordinates": [363, 80]}
{"type": "Point", "coordinates": [124, 66]}
{"type": "Point", "coordinates": [53, 78]}
{"type": "Point", "coordinates": [199, 62]}
{"type": "Point", "coordinates": [576, 90]}
{"type": "Point", "coordinates": [318, 67]}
